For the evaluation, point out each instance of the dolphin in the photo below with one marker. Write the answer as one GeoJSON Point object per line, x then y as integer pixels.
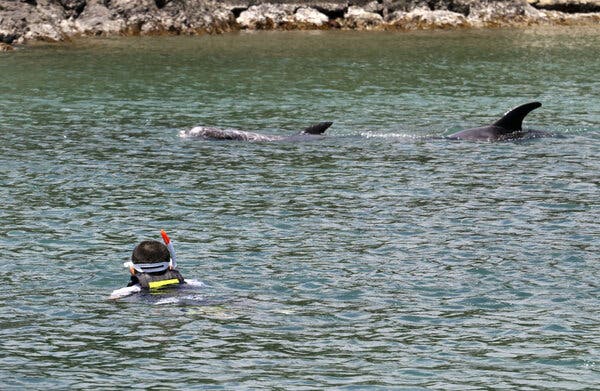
{"type": "Point", "coordinates": [509, 127]}
{"type": "Point", "coordinates": [214, 133]}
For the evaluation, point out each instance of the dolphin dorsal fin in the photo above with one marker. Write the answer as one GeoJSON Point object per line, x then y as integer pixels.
{"type": "Point", "coordinates": [318, 128]}
{"type": "Point", "coordinates": [512, 121]}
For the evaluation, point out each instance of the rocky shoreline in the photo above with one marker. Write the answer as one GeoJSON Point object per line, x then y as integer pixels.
{"type": "Point", "coordinates": [23, 21]}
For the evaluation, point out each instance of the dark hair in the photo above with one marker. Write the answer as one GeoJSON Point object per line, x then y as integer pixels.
{"type": "Point", "coordinates": [150, 251]}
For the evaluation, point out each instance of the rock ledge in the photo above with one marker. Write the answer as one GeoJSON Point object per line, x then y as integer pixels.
{"type": "Point", "coordinates": [59, 20]}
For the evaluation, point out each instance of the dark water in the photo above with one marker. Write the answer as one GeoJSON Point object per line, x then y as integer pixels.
{"type": "Point", "coordinates": [372, 259]}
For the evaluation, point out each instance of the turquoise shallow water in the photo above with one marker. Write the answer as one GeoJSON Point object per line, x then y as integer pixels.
{"type": "Point", "coordinates": [375, 258]}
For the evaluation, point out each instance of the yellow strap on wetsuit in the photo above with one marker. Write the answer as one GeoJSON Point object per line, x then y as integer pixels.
{"type": "Point", "coordinates": [159, 284]}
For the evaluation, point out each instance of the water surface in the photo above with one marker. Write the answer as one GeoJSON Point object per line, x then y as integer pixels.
{"type": "Point", "coordinates": [376, 258]}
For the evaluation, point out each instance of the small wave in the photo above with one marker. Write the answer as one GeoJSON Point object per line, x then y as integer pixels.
{"type": "Point", "coordinates": [195, 283]}
{"type": "Point", "coordinates": [124, 292]}
{"type": "Point", "coordinates": [371, 135]}
{"type": "Point", "coordinates": [167, 300]}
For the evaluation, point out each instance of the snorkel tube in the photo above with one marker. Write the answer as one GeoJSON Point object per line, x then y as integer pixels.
{"type": "Point", "coordinates": [169, 244]}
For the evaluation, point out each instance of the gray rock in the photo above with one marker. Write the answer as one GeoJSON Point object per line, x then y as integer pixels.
{"type": "Point", "coordinates": [73, 7]}
{"type": "Point", "coordinates": [358, 18]}
{"type": "Point", "coordinates": [198, 16]}
{"type": "Point", "coordinates": [485, 14]}
{"type": "Point", "coordinates": [310, 17]}
{"type": "Point", "coordinates": [423, 18]}
{"type": "Point", "coordinates": [373, 6]}
{"type": "Point", "coordinates": [20, 21]}
{"type": "Point", "coordinates": [266, 16]}
{"type": "Point", "coordinates": [97, 19]}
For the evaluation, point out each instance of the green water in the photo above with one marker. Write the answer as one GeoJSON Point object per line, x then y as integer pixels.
{"type": "Point", "coordinates": [375, 258]}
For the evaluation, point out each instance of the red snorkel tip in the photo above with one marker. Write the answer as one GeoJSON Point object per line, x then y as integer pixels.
{"type": "Point", "coordinates": [165, 237]}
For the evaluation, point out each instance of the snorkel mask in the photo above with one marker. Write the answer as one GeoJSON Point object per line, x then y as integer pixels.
{"type": "Point", "coordinates": [158, 266]}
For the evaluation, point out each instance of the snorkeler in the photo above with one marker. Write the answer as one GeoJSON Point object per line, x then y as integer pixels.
{"type": "Point", "coordinates": [152, 266]}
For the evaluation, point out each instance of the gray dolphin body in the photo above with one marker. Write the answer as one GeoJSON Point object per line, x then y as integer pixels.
{"type": "Point", "coordinates": [509, 127]}
{"type": "Point", "coordinates": [214, 133]}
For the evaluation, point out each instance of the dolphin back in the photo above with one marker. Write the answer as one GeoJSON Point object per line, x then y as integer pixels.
{"type": "Point", "coordinates": [512, 121]}
{"type": "Point", "coordinates": [214, 133]}
{"type": "Point", "coordinates": [319, 128]}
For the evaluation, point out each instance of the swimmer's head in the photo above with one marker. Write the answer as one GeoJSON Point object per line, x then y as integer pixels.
{"type": "Point", "coordinates": [150, 251]}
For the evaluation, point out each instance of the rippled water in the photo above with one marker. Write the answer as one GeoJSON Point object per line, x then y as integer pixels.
{"type": "Point", "coordinates": [376, 258]}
